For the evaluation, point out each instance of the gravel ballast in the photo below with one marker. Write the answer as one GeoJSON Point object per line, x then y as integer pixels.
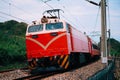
{"type": "Point", "coordinates": [13, 74]}
{"type": "Point", "coordinates": [81, 73]}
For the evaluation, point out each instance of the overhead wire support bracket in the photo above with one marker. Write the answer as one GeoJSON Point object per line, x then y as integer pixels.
{"type": "Point", "coordinates": [53, 11]}
{"type": "Point", "coordinates": [94, 3]}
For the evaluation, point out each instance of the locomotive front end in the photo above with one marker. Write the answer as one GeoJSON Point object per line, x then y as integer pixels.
{"type": "Point", "coordinates": [46, 42]}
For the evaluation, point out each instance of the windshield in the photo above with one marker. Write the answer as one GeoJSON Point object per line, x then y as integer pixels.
{"type": "Point", "coordinates": [35, 28]}
{"type": "Point", "coordinates": [53, 26]}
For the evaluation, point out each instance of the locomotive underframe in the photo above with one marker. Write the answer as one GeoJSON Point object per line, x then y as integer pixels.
{"type": "Point", "coordinates": [61, 61]}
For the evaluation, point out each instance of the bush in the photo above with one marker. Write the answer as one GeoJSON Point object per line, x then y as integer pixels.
{"type": "Point", "coordinates": [12, 46]}
{"type": "Point", "coordinates": [4, 57]}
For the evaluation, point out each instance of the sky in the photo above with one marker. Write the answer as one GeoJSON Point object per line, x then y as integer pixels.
{"type": "Point", "coordinates": [82, 15]}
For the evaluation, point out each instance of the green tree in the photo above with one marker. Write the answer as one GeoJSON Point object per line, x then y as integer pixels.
{"type": "Point", "coordinates": [12, 42]}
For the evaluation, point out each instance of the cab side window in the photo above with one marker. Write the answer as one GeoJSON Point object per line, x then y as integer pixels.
{"type": "Point", "coordinates": [95, 47]}
{"type": "Point", "coordinates": [68, 28]}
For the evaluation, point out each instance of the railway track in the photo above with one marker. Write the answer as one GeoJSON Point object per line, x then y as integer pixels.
{"type": "Point", "coordinates": [49, 73]}
{"type": "Point", "coordinates": [22, 74]}
{"type": "Point", "coordinates": [41, 75]}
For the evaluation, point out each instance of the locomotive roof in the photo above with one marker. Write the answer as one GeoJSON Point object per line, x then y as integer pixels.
{"type": "Point", "coordinates": [46, 20]}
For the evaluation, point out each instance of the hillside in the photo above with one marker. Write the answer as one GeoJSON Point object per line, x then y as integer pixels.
{"type": "Point", "coordinates": [12, 42]}
{"type": "Point", "coordinates": [115, 47]}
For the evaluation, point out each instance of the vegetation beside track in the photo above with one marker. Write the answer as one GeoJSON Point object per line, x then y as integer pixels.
{"type": "Point", "coordinates": [12, 44]}
{"type": "Point", "coordinates": [13, 66]}
{"type": "Point", "coordinates": [115, 47]}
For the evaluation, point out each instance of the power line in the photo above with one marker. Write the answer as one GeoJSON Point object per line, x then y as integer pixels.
{"type": "Point", "coordinates": [50, 6]}
{"type": "Point", "coordinates": [61, 14]}
{"type": "Point", "coordinates": [96, 19]}
{"type": "Point", "coordinates": [108, 14]}
{"type": "Point", "coordinates": [45, 2]}
{"type": "Point", "coordinates": [3, 17]}
{"type": "Point", "coordinates": [83, 27]}
{"type": "Point", "coordinates": [10, 4]}
{"type": "Point", "coordinates": [12, 16]}
{"type": "Point", "coordinates": [68, 20]}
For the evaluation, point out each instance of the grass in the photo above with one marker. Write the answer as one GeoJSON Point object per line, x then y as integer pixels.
{"type": "Point", "coordinates": [13, 66]}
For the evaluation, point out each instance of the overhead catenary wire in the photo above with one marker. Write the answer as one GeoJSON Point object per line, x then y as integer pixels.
{"type": "Point", "coordinates": [45, 2]}
{"type": "Point", "coordinates": [96, 21]}
{"type": "Point", "coordinates": [83, 27]}
{"type": "Point", "coordinates": [12, 16]}
{"type": "Point", "coordinates": [3, 17]}
{"type": "Point", "coordinates": [109, 22]}
{"type": "Point", "coordinates": [20, 9]}
{"type": "Point", "coordinates": [94, 32]}
{"type": "Point", "coordinates": [77, 20]}
{"type": "Point", "coordinates": [9, 14]}
{"type": "Point", "coordinates": [61, 14]}
{"type": "Point", "coordinates": [69, 20]}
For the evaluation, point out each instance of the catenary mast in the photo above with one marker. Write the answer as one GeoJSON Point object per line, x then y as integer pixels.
{"type": "Point", "coordinates": [103, 32]}
{"type": "Point", "coordinates": [102, 4]}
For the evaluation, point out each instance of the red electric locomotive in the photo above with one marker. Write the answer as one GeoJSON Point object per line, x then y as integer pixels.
{"type": "Point", "coordinates": [54, 42]}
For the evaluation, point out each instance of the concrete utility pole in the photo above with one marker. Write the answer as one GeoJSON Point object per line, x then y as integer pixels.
{"type": "Point", "coordinates": [104, 55]}
{"type": "Point", "coordinates": [103, 32]}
